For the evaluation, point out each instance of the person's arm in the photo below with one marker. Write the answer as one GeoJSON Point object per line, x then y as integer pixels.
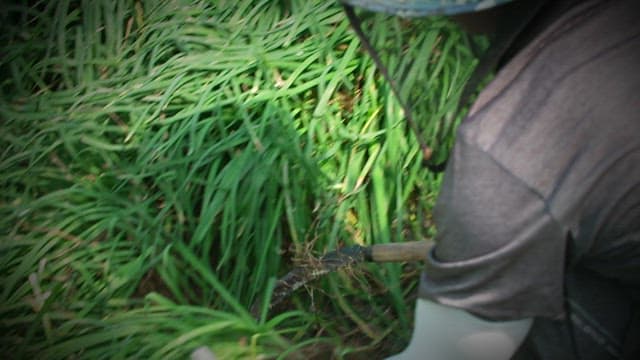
{"type": "Point", "coordinates": [447, 333]}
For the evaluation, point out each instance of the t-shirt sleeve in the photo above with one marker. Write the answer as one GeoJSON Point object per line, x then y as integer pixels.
{"type": "Point", "coordinates": [499, 253]}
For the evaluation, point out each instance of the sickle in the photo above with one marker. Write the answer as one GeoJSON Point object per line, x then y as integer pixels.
{"type": "Point", "coordinates": [334, 260]}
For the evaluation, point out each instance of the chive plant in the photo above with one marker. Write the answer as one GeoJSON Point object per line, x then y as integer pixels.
{"type": "Point", "coordinates": [163, 162]}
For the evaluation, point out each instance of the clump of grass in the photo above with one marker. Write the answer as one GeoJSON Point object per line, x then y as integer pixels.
{"type": "Point", "coordinates": [162, 161]}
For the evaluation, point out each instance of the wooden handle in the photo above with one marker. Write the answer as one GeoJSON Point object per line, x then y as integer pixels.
{"type": "Point", "coordinates": [400, 252]}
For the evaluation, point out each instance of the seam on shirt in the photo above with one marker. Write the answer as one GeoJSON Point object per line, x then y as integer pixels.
{"type": "Point", "coordinates": [538, 46]}
{"type": "Point", "coordinates": [500, 165]}
{"type": "Point", "coordinates": [568, 73]}
{"type": "Point", "coordinates": [606, 218]}
{"type": "Point", "coordinates": [547, 201]}
{"type": "Point", "coordinates": [571, 71]}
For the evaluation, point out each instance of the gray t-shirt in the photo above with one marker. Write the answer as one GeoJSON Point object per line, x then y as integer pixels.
{"type": "Point", "coordinates": [545, 172]}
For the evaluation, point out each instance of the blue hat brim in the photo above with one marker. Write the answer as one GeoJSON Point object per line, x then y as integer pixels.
{"type": "Point", "coordinates": [418, 8]}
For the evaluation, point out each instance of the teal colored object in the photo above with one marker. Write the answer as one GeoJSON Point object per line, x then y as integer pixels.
{"type": "Point", "coordinates": [415, 8]}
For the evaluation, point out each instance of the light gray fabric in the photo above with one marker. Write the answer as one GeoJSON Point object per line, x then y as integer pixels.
{"type": "Point", "coordinates": [446, 333]}
{"type": "Point", "coordinates": [545, 172]}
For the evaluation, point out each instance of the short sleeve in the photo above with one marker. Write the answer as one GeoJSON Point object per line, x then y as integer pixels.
{"type": "Point", "coordinates": [499, 253]}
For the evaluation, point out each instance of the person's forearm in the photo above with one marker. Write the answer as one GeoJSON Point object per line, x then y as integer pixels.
{"type": "Point", "coordinates": [446, 333]}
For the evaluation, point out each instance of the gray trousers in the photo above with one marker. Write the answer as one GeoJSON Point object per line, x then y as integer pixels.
{"type": "Point", "coordinates": [602, 323]}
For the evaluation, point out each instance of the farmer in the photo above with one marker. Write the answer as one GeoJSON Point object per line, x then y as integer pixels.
{"type": "Point", "coordinates": [538, 217]}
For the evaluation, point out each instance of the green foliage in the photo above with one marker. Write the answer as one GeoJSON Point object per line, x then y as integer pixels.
{"type": "Point", "coordinates": [162, 161]}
